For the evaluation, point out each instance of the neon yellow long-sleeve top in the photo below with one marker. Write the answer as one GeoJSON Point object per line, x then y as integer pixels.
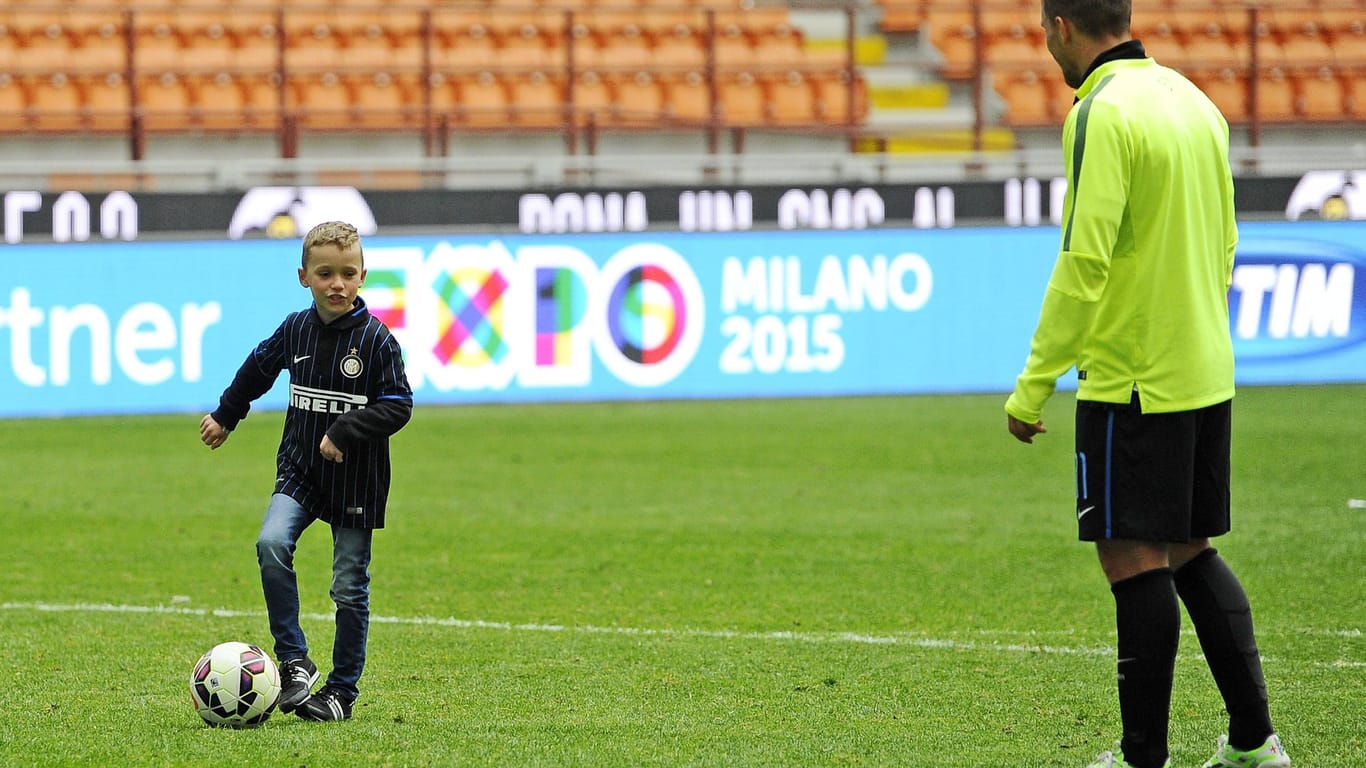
{"type": "Point", "coordinates": [1138, 298]}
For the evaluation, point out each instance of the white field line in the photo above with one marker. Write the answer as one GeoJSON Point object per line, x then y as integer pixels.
{"type": "Point", "coordinates": [855, 638]}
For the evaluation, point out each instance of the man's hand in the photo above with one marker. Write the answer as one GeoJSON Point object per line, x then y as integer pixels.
{"type": "Point", "coordinates": [1024, 432]}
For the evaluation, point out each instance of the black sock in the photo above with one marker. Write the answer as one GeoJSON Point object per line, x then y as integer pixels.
{"type": "Point", "coordinates": [1148, 620]}
{"type": "Point", "coordinates": [1219, 610]}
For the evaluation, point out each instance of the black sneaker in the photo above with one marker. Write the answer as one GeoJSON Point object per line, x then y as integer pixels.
{"type": "Point", "coordinates": [297, 677]}
{"type": "Point", "coordinates": [329, 703]}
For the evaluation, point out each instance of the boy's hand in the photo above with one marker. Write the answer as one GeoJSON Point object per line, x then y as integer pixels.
{"type": "Point", "coordinates": [211, 432]}
{"type": "Point", "coordinates": [330, 450]}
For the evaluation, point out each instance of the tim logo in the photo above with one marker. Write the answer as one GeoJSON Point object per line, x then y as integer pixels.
{"type": "Point", "coordinates": [1295, 298]}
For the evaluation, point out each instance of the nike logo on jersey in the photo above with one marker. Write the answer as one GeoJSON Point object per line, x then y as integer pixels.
{"type": "Point", "coordinates": [1082, 513]}
{"type": "Point", "coordinates": [301, 358]}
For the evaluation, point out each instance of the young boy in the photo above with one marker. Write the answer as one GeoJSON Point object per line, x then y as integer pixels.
{"type": "Point", "coordinates": [348, 393]}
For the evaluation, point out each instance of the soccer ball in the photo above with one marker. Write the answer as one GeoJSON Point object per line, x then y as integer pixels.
{"type": "Point", "coordinates": [235, 685]}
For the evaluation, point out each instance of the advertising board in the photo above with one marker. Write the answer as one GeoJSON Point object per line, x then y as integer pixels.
{"type": "Point", "coordinates": [162, 326]}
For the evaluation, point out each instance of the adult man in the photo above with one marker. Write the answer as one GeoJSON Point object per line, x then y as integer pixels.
{"type": "Point", "coordinates": [1138, 303]}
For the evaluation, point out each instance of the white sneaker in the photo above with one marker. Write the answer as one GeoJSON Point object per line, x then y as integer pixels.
{"type": "Point", "coordinates": [1116, 759]}
{"type": "Point", "coordinates": [1269, 755]}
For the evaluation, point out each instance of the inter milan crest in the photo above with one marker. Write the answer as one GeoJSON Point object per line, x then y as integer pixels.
{"type": "Point", "coordinates": [351, 366]}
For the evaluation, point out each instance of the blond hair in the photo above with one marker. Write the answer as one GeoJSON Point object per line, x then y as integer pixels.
{"type": "Point", "coordinates": [338, 233]}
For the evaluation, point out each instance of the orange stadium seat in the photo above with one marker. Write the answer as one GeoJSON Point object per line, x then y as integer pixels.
{"type": "Point", "coordinates": [210, 49]}
{"type": "Point", "coordinates": [219, 101]}
{"type": "Point", "coordinates": [1356, 96]}
{"type": "Point", "coordinates": [155, 18]}
{"type": "Point", "coordinates": [664, 21]}
{"type": "Point", "coordinates": [304, 19]}
{"type": "Point", "coordinates": [1163, 45]}
{"type": "Point", "coordinates": [607, 20]}
{"type": "Point", "coordinates": [1015, 48]}
{"type": "Point", "coordinates": [954, 36]}
{"type": "Point", "coordinates": [98, 53]}
{"type": "Point", "coordinates": [526, 48]}
{"type": "Point", "coordinates": [158, 50]}
{"type": "Point", "coordinates": [733, 49]}
{"type": "Point", "coordinates": [321, 102]}
{"type": "Point", "coordinates": [13, 104]}
{"type": "Point", "coordinates": [1306, 44]}
{"type": "Point", "coordinates": [833, 95]}
{"type": "Point", "coordinates": [640, 99]}
{"type": "Point", "coordinates": [791, 99]}
{"type": "Point", "coordinates": [102, 20]}
{"type": "Point", "coordinates": [1031, 98]}
{"type": "Point", "coordinates": [372, 50]}
{"type": "Point", "coordinates": [261, 96]}
{"type": "Point", "coordinates": [593, 99]}
{"type": "Point", "coordinates": [1200, 23]}
{"type": "Point", "coordinates": [1347, 30]}
{"type": "Point", "coordinates": [901, 16]}
{"type": "Point", "coordinates": [780, 49]}
{"type": "Point", "coordinates": [445, 97]}
{"type": "Point", "coordinates": [679, 50]}
{"type": "Point", "coordinates": [313, 48]}
{"type": "Point", "coordinates": [537, 100]}
{"type": "Point", "coordinates": [10, 50]}
{"type": "Point", "coordinates": [28, 23]}
{"type": "Point", "coordinates": [688, 98]}
{"type": "Point", "coordinates": [164, 103]}
{"type": "Point", "coordinates": [1322, 96]}
{"type": "Point", "coordinates": [1269, 52]}
{"type": "Point", "coordinates": [997, 21]}
{"type": "Point", "coordinates": [395, 22]}
{"type": "Point", "coordinates": [106, 102]}
{"type": "Point", "coordinates": [47, 51]}
{"type": "Point", "coordinates": [741, 99]}
{"type": "Point", "coordinates": [1276, 98]}
{"type": "Point", "coordinates": [1227, 89]}
{"type": "Point", "coordinates": [244, 22]}
{"type": "Point", "coordinates": [629, 51]}
{"type": "Point", "coordinates": [469, 49]}
{"type": "Point", "coordinates": [55, 104]}
{"type": "Point", "coordinates": [483, 101]}
{"type": "Point", "coordinates": [256, 48]}
{"type": "Point", "coordinates": [758, 21]}
{"type": "Point", "coordinates": [1215, 50]}
{"type": "Point", "coordinates": [385, 102]}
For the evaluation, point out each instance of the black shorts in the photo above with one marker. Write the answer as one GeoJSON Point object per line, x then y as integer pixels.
{"type": "Point", "coordinates": [1152, 477]}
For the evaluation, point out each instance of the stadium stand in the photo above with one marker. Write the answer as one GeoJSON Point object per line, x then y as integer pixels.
{"type": "Point", "coordinates": [434, 66]}
{"type": "Point", "coordinates": [1310, 56]}
{"type": "Point", "coordinates": [348, 65]}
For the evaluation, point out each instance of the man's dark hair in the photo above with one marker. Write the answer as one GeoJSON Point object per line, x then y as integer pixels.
{"type": "Point", "coordinates": [1093, 18]}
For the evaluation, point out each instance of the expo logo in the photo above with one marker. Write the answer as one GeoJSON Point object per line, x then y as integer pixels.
{"type": "Point", "coordinates": [477, 317]}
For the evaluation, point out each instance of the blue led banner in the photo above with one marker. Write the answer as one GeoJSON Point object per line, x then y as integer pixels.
{"type": "Point", "coordinates": [162, 326]}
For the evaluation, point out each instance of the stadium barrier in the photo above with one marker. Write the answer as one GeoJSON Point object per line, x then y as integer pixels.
{"type": "Point", "coordinates": [277, 211]}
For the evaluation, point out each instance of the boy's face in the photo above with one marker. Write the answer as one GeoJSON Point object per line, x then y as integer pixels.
{"type": "Point", "coordinates": [334, 275]}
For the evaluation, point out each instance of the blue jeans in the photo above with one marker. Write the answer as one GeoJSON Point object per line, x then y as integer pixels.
{"type": "Point", "coordinates": [284, 523]}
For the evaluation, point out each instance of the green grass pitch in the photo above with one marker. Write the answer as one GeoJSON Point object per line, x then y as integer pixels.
{"type": "Point", "coordinates": [823, 582]}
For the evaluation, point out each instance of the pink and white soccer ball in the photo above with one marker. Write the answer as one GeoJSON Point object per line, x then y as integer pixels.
{"type": "Point", "coordinates": [235, 685]}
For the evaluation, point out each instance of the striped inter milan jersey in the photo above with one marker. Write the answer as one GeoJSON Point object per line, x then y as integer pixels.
{"type": "Point", "coordinates": [346, 381]}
